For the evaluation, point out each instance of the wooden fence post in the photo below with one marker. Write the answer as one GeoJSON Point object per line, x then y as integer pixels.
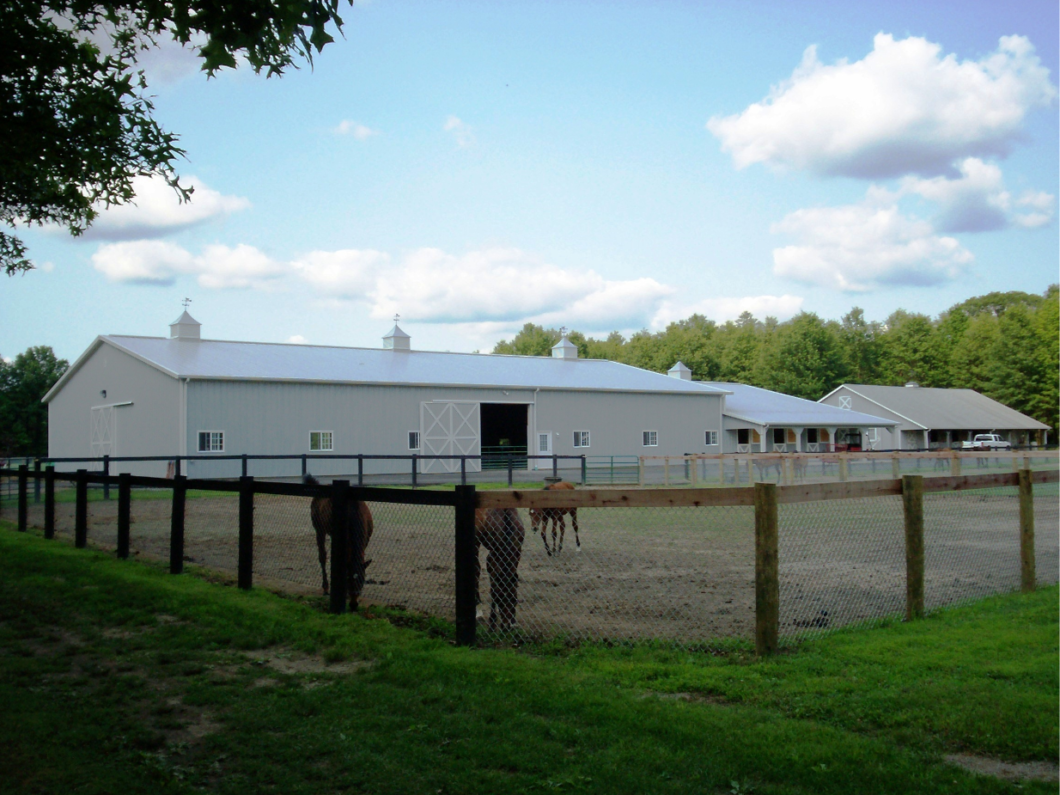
{"type": "Point", "coordinates": [340, 495]}
{"type": "Point", "coordinates": [176, 525]}
{"type": "Point", "coordinates": [913, 508]}
{"type": "Point", "coordinates": [896, 467]}
{"type": "Point", "coordinates": [767, 584]}
{"type": "Point", "coordinates": [1027, 572]}
{"type": "Point", "coordinates": [49, 502]}
{"type": "Point", "coordinates": [23, 497]}
{"type": "Point", "coordinates": [466, 566]}
{"type": "Point", "coordinates": [843, 468]}
{"type": "Point", "coordinates": [124, 513]}
{"type": "Point", "coordinates": [245, 574]}
{"type": "Point", "coordinates": [81, 510]}
{"type": "Point", "coordinates": [640, 470]}
{"type": "Point", "coordinates": [955, 464]}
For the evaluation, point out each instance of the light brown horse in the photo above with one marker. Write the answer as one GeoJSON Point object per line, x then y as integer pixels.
{"type": "Point", "coordinates": [320, 512]}
{"type": "Point", "coordinates": [501, 532]}
{"type": "Point", "coordinates": [542, 516]}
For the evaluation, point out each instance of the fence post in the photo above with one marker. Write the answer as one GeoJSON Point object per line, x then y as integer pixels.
{"type": "Point", "coordinates": [360, 469]}
{"type": "Point", "coordinates": [340, 494]}
{"type": "Point", "coordinates": [694, 466]}
{"type": "Point", "coordinates": [49, 502]}
{"type": "Point", "coordinates": [463, 470]}
{"type": "Point", "coordinates": [178, 469]}
{"type": "Point", "coordinates": [555, 466]}
{"type": "Point", "coordinates": [305, 466]}
{"type": "Point", "coordinates": [640, 470]}
{"type": "Point", "coordinates": [767, 583]}
{"type": "Point", "coordinates": [124, 500]}
{"type": "Point", "coordinates": [466, 566]}
{"type": "Point", "coordinates": [843, 471]}
{"type": "Point", "coordinates": [1027, 573]}
{"type": "Point", "coordinates": [583, 469]}
{"type": "Point", "coordinates": [913, 508]}
{"type": "Point", "coordinates": [106, 474]}
{"type": "Point", "coordinates": [23, 497]}
{"type": "Point", "coordinates": [81, 510]}
{"type": "Point", "coordinates": [243, 460]}
{"type": "Point", "coordinates": [176, 526]}
{"type": "Point", "coordinates": [955, 464]}
{"type": "Point", "coordinates": [666, 470]}
{"type": "Point", "coordinates": [896, 467]}
{"type": "Point", "coordinates": [245, 565]}
{"type": "Point", "coordinates": [510, 464]}
{"type": "Point", "coordinates": [36, 481]}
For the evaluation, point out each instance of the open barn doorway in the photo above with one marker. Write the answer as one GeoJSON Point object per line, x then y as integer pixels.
{"type": "Point", "coordinates": [504, 434]}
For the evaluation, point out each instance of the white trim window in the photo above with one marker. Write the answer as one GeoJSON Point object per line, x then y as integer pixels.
{"type": "Point", "coordinates": [321, 441]}
{"type": "Point", "coordinates": [650, 439]}
{"type": "Point", "coordinates": [710, 438]}
{"type": "Point", "coordinates": [211, 441]}
{"type": "Point", "coordinates": [414, 440]}
{"type": "Point", "coordinates": [581, 438]}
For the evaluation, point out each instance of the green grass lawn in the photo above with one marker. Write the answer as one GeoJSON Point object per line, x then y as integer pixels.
{"type": "Point", "coordinates": [117, 677]}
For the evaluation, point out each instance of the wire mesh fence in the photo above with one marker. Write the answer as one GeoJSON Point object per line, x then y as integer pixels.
{"type": "Point", "coordinates": [603, 565]}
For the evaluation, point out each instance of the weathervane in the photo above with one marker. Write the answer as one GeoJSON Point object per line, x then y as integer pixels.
{"type": "Point", "coordinates": [397, 317]}
{"type": "Point", "coordinates": [562, 331]}
{"type": "Point", "coordinates": [185, 302]}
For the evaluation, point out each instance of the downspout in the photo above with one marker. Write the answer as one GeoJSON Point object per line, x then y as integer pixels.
{"type": "Point", "coordinates": [182, 442]}
{"type": "Point", "coordinates": [532, 441]}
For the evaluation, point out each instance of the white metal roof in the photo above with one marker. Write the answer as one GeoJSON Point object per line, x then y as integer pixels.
{"type": "Point", "coordinates": [259, 361]}
{"type": "Point", "coordinates": [764, 407]}
{"type": "Point", "coordinates": [944, 409]}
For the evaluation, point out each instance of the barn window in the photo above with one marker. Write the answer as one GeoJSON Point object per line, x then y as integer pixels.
{"type": "Point", "coordinates": [743, 435]}
{"type": "Point", "coordinates": [778, 436]}
{"type": "Point", "coordinates": [651, 438]}
{"type": "Point", "coordinates": [581, 438]}
{"type": "Point", "coordinates": [321, 441]}
{"type": "Point", "coordinates": [211, 441]}
{"type": "Point", "coordinates": [811, 435]}
{"type": "Point", "coordinates": [710, 438]}
{"type": "Point", "coordinates": [414, 440]}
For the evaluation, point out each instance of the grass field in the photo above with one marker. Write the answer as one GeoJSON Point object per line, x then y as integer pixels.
{"type": "Point", "coordinates": [116, 677]}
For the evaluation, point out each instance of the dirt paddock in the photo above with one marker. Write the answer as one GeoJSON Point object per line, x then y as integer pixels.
{"type": "Point", "coordinates": [683, 574]}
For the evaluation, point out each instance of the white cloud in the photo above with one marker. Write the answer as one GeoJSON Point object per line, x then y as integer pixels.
{"type": "Point", "coordinates": [719, 310]}
{"type": "Point", "coordinates": [902, 109]}
{"type": "Point", "coordinates": [160, 262]}
{"type": "Point", "coordinates": [355, 129]}
{"type": "Point", "coordinates": [861, 247]}
{"type": "Point", "coordinates": [347, 273]}
{"type": "Point", "coordinates": [157, 210]}
{"type": "Point", "coordinates": [977, 201]}
{"type": "Point", "coordinates": [297, 339]}
{"type": "Point", "coordinates": [460, 130]}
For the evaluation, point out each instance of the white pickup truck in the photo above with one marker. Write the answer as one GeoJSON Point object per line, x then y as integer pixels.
{"type": "Point", "coordinates": [986, 441]}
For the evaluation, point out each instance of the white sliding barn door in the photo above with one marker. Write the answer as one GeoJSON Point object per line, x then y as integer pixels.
{"type": "Point", "coordinates": [449, 428]}
{"type": "Point", "coordinates": [104, 439]}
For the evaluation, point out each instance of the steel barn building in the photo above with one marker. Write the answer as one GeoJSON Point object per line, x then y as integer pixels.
{"type": "Point", "coordinates": [184, 395]}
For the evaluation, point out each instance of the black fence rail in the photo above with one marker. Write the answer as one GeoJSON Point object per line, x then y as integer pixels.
{"type": "Point", "coordinates": [510, 460]}
{"type": "Point", "coordinates": [703, 567]}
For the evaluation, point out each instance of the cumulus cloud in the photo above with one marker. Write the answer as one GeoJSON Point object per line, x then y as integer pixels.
{"type": "Point", "coordinates": [862, 247]}
{"type": "Point", "coordinates": [355, 129]}
{"type": "Point", "coordinates": [903, 109]}
{"type": "Point", "coordinates": [160, 263]}
{"type": "Point", "coordinates": [347, 273]}
{"type": "Point", "coordinates": [297, 339]}
{"type": "Point", "coordinates": [977, 200]}
{"type": "Point", "coordinates": [460, 130]}
{"type": "Point", "coordinates": [157, 210]}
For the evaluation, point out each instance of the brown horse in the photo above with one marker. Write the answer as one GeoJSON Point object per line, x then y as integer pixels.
{"type": "Point", "coordinates": [321, 511]}
{"type": "Point", "coordinates": [542, 516]}
{"type": "Point", "coordinates": [501, 532]}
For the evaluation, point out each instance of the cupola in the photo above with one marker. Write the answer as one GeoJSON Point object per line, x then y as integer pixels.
{"type": "Point", "coordinates": [680, 371]}
{"type": "Point", "coordinates": [184, 327]}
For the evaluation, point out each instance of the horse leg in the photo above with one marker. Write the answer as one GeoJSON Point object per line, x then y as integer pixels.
{"type": "Point", "coordinates": [562, 530]}
{"type": "Point", "coordinates": [322, 555]}
{"type": "Point", "coordinates": [574, 524]}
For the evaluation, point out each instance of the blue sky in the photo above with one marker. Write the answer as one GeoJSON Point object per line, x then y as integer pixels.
{"type": "Point", "coordinates": [602, 166]}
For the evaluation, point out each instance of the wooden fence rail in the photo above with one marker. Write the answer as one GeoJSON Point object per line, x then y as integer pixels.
{"type": "Point", "coordinates": [763, 497]}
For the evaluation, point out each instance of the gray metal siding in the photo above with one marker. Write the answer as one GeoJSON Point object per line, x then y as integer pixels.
{"type": "Point", "coordinates": [276, 418]}
{"type": "Point", "coordinates": [150, 426]}
{"type": "Point", "coordinates": [889, 438]}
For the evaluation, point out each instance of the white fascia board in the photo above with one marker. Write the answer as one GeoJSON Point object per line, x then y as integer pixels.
{"type": "Point", "coordinates": [877, 403]}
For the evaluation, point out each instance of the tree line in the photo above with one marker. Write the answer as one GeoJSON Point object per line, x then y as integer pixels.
{"type": "Point", "coordinates": [23, 418]}
{"type": "Point", "coordinates": [1003, 345]}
